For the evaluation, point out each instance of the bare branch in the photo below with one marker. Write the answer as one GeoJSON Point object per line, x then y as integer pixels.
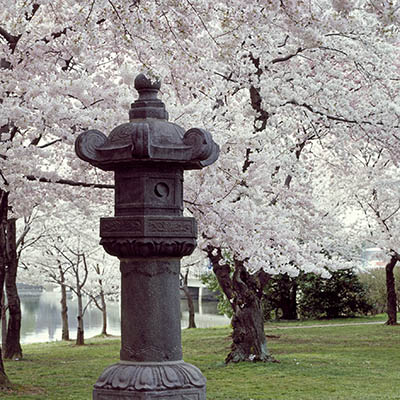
{"type": "Point", "coordinates": [22, 237]}
{"type": "Point", "coordinates": [392, 214]}
{"type": "Point", "coordinates": [173, 34]}
{"type": "Point", "coordinates": [62, 253]}
{"type": "Point", "coordinates": [43, 146]}
{"type": "Point", "coordinates": [120, 18]}
{"type": "Point", "coordinates": [86, 270]}
{"type": "Point", "coordinates": [202, 22]}
{"type": "Point", "coordinates": [288, 57]}
{"type": "Point", "coordinates": [90, 11]}
{"type": "Point", "coordinates": [330, 117]}
{"type": "Point", "coordinates": [86, 306]}
{"type": "Point", "coordinates": [70, 182]}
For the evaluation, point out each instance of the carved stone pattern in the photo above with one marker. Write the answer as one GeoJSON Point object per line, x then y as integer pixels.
{"type": "Point", "coordinates": [119, 225]}
{"type": "Point", "coordinates": [87, 143]}
{"type": "Point", "coordinates": [149, 270]}
{"type": "Point", "coordinates": [170, 226]}
{"type": "Point", "coordinates": [121, 133]}
{"type": "Point", "coordinates": [201, 142]}
{"type": "Point", "coordinates": [151, 377]}
{"type": "Point", "coordinates": [125, 247]}
{"type": "Point", "coordinates": [148, 227]}
{"type": "Point", "coordinates": [149, 352]}
{"type": "Point", "coordinates": [141, 140]}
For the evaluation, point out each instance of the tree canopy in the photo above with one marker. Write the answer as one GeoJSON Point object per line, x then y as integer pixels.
{"type": "Point", "coordinates": [302, 98]}
{"type": "Point", "coordinates": [287, 88]}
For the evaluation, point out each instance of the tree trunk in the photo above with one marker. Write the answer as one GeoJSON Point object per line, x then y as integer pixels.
{"type": "Point", "coordinates": [248, 337]}
{"type": "Point", "coordinates": [80, 337]}
{"type": "Point", "coordinates": [293, 300]}
{"type": "Point", "coordinates": [4, 381]}
{"type": "Point", "coordinates": [244, 292]}
{"type": "Point", "coordinates": [12, 348]}
{"type": "Point", "coordinates": [103, 311]}
{"type": "Point", "coordinates": [391, 292]}
{"type": "Point", "coordinates": [288, 297]}
{"type": "Point", "coordinates": [80, 340]}
{"type": "Point", "coordinates": [3, 321]}
{"type": "Point", "coordinates": [64, 314]}
{"type": "Point", "coordinates": [64, 306]}
{"type": "Point", "coordinates": [189, 298]}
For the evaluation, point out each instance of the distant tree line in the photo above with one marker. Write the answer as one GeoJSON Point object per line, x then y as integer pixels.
{"type": "Point", "coordinates": [309, 296]}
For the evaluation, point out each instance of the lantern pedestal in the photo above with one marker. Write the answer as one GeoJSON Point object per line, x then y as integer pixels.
{"type": "Point", "coordinates": [151, 364]}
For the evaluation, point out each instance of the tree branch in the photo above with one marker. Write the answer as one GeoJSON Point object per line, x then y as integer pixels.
{"type": "Point", "coordinates": [288, 57]}
{"type": "Point", "coordinates": [86, 270]}
{"type": "Point", "coordinates": [120, 18]}
{"type": "Point", "coordinates": [202, 22]}
{"type": "Point", "coordinates": [11, 39]}
{"type": "Point", "coordinates": [391, 215]}
{"type": "Point", "coordinates": [43, 146]}
{"type": "Point", "coordinates": [330, 117]}
{"type": "Point", "coordinates": [70, 182]}
{"type": "Point", "coordinates": [221, 271]}
{"type": "Point", "coordinates": [35, 7]}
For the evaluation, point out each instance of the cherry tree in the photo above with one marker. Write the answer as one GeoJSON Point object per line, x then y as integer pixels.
{"type": "Point", "coordinates": [276, 83]}
{"type": "Point", "coordinates": [299, 81]}
{"type": "Point", "coordinates": [105, 285]}
{"type": "Point", "coordinates": [31, 152]}
{"type": "Point", "coordinates": [12, 348]}
{"type": "Point", "coordinates": [374, 200]}
{"type": "Point", "coordinates": [32, 261]}
{"type": "Point", "coordinates": [69, 256]}
{"type": "Point", "coordinates": [195, 261]}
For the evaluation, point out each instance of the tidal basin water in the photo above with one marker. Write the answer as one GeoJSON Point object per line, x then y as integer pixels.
{"type": "Point", "coordinates": [41, 317]}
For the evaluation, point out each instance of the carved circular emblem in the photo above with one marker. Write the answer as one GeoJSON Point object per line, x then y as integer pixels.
{"type": "Point", "coordinates": [161, 190]}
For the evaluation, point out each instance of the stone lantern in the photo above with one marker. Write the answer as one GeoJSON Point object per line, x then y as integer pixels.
{"type": "Point", "coordinates": [149, 234]}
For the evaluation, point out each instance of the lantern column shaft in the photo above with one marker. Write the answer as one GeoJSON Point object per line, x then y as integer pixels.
{"type": "Point", "coordinates": [150, 308]}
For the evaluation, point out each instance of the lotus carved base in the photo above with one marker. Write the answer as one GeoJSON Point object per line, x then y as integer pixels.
{"type": "Point", "coordinates": [141, 381]}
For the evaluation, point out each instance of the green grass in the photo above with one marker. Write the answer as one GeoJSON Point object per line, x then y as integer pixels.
{"type": "Point", "coordinates": [330, 362]}
{"type": "Point", "coordinates": [371, 318]}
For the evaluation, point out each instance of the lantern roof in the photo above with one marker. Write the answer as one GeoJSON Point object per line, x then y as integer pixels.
{"type": "Point", "coordinates": [147, 137]}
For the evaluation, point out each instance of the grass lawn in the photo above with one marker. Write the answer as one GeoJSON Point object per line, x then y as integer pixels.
{"type": "Point", "coordinates": [327, 362]}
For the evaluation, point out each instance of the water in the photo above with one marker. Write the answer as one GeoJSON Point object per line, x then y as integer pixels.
{"type": "Point", "coordinates": [41, 317]}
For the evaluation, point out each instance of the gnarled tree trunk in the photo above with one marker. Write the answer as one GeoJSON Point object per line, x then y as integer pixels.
{"type": "Point", "coordinates": [244, 292]}
{"type": "Point", "coordinates": [248, 337]}
{"type": "Point", "coordinates": [12, 348]}
{"type": "Point", "coordinates": [391, 292]}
